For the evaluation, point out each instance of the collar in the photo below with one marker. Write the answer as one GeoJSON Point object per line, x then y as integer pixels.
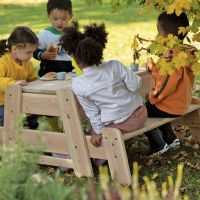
{"type": "Point", "coordinates": [53, 30]}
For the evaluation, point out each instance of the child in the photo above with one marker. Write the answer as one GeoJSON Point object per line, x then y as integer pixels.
{"type": "Point", "coordinates": [53, 57]}
{"type": "Point", "coordinates": [107, 91]}
{"type": "Point", "coordinates": [15, 64]}
{"type": "Point", "coordinates": [171, 94]}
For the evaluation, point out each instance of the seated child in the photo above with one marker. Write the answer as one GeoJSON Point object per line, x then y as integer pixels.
{"type": "Point", "coordinates": [15, 65]}
{"type": "Point", "coordinates": [107, 91]}
{"type": "Point", "coordinates": [170, 95]}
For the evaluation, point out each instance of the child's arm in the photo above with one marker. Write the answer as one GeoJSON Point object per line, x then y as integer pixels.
{"type": "Point", "coordinates": [92, 112]}
{"type": "Point", "coordinates": [45, 55]}
{"type": "Point", "coordinates": [4, 81]}
{"type": "Point", "coordinates": [132, 81]}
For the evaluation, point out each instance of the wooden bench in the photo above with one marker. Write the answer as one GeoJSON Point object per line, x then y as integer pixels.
{"type": "Point", "coordinates": [113, 141]}
{"type": "Point", "coordinates": [59, 100]}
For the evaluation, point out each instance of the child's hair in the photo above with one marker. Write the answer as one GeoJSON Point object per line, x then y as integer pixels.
{"type": "Point", "coordinates": [96, 32]}
{"type": "Point", "coordinates": [89, 52]}
{"type": "Point", "coordinates": [71, 37]}
{"type": "Point", "coordinates": [87, 47]}
{"type": "Point", "coordinates": [21, 36]}
{"type": "Point", "coordinates": [60, 5]}
{"type": "Point", "coordinates": [170, 23]}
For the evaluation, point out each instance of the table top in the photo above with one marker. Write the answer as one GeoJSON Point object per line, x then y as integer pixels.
{"type": "Point", "coordinates": [50, 87]}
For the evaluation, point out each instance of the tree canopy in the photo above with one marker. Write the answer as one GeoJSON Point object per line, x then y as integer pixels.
{"type": "Point", "coordinates": [157, 47]}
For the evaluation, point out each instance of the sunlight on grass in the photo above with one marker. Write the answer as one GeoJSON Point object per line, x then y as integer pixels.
{"type": "Point", "coordinates": [121, 27]}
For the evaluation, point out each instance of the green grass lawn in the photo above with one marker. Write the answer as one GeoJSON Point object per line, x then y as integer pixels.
{"type": "Point", "coordinates": [121, 27]}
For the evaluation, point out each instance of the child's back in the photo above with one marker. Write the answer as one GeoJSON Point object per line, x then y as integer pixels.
{"type": "Point", "coordinates": [112, 88]}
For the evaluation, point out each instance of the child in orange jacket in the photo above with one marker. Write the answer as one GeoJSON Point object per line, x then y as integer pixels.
{"type": "Point", "coordinates": [170, 95]}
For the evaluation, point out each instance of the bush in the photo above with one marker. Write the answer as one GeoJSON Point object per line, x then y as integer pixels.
{"type": "Point", "coordinates": [19, 163]}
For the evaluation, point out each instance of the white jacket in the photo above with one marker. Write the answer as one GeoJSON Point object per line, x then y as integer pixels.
{"type": "Point", "coordinates": [108, 93]}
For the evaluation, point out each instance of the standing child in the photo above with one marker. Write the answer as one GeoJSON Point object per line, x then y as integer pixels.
{"type": "Point", "coordinates": [52, 56]}
{"type": "Point", "coordinates": [171, 94]}
{"type": "Point", "coordinates": [50, 52]}
{"type": "Point", "coordinates": [107, 91]}
{"type": "Point", "coordinates": [15, 64]}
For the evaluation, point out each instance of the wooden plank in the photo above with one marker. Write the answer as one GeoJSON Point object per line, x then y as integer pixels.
{"type": "Point", "coordinates": [156, 122]}
{"type": "Point", "coordinates": [95, 152]}
{"type": "Point", "coordinates": [116, 155]}
{"type": "Point", "coordinates": [46, 87]}
{"type": "Point", "coordinates": [56, 142]}
{"type": "Point", "coordinates": [40, 104]}
{"type": "Point", "coordinates": [60, 162]}
{"type": "Point", "coordinates": [74, 133]}
{"type": "Point", "coordinates": [12, 113]}
{"type": "Point", "coordinates": [50, 141]}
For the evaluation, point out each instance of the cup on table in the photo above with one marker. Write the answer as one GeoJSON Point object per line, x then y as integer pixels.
{"type": "Point", "coordinates": [134, 67]}
{"type": "Point", "coordinates": [61, 75]}
{"type": "Point", "coordinates": [73, 74]}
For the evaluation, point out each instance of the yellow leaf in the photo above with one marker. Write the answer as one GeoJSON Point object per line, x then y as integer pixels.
{"type": "Point", "coordinates": [171, 9]}
{"type": "Point", "coordinates": [196, 68]}
{"type": "Point", "coordinates": [135, 43]}
{"type": "Point", "coordinates": [155, 175]}
{"type": "Point", "coordinates": [182, 30]}
{"type": "Point", "coordinates": [180, 60]}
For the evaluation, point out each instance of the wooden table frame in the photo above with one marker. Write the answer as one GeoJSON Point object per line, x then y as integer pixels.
{"type": "Point", "coordinates": [59, 100]}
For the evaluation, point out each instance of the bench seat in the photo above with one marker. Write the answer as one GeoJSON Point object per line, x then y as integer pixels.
{"type": "Point", "coordinates": [113, 141]}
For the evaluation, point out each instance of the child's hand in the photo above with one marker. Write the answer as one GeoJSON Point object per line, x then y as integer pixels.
{"type": "Point", "coordinates": [21, 82]}
{"type": "Point", "coordinates": [48, 55]}
{"type": "Point", "coordinates": [96, 139]}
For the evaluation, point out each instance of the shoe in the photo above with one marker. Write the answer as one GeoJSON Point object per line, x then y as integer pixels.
{"type": "Point", "coordinates": [156, 152]}
{"type": "Point", "coordinates": [65, 156]}
{"type": "Point", "coordinates": [98, 161]}
{"type": "Point", "coordinates": [175, 144]}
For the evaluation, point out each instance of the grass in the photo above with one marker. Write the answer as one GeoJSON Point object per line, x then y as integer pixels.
{"type": "Point", "coordinates": [121, 27]}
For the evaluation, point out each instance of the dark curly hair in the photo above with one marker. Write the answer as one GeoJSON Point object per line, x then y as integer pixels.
{"type": "Point", "coordinates": [97, 32]}
{"type": "Point", "coordinates": [89, 52]}
{"type": "Point", "coordinates": [170, 23]}
{"type": "Point", "coordinates": [87, 47]}
{"type": "Point", "coordinates": [59, 4]}
{"type": "Point", "coordinates": [71, 37]}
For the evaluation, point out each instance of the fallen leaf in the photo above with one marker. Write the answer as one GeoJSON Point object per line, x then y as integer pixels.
{"type": "Point", "coordinates": [195, 146]}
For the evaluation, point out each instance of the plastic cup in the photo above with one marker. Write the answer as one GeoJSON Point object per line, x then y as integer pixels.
{"type": "Point", "coordinates": [134, 67]}
{"type": "Point", "coordinates": [61, 75]}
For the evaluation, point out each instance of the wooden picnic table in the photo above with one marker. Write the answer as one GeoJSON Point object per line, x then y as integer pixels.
{"type": "Point", "coordinates": [55, 98]}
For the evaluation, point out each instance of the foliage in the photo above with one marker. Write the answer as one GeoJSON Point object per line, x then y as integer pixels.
{"type": "Point", "coordinates": [161, 45]}
{"type": "Point", "coordinates": [17, 183]}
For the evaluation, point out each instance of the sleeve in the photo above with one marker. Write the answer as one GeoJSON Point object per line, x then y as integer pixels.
{"type": "Point", "coordinates": [4, 81]}
{"type": "Point", "coordinates": [41, 46]}
{"type": "Point", "coordinates": [92, 111]}
{"type": "Point", "coordinates": [37, 54]}
{"type": "Point", "coordinates": [167, 86]}
{"type": "Point", "coordinates": [131, 80]}
{"type": "Point", "coordinates": [31, 73]}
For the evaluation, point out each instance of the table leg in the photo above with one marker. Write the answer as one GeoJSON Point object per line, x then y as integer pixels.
{"type": "Point", "coordinates": [12, 110]}
{"type": "Point", "coordinates": [75, 136]}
